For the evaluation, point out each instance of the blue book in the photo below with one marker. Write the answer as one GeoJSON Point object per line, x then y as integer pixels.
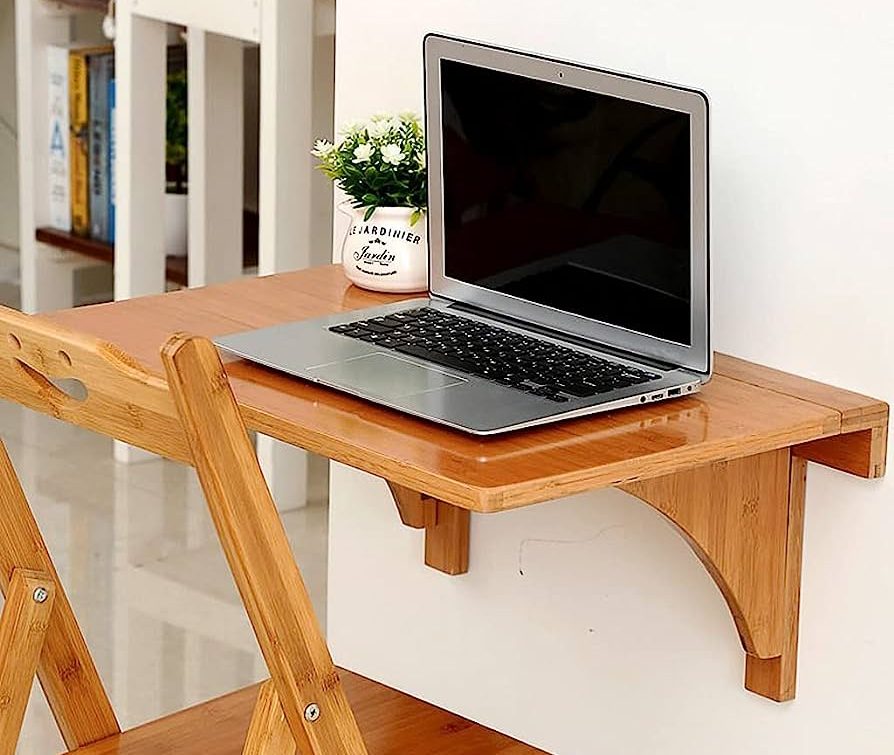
{"type": "Point", "coordinates": [112, 160]}
{"type": "Point", "coordinates": [100, 68]}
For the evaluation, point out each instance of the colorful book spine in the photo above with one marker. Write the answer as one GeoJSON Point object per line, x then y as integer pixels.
{"type": "Point", "coordinates": [112, 144]}
{"type": "Point", "coordinates": [59, 182]}
{"type": "Point", "coordinates": [99, 67]}
{"type": "Point", "coordinates": [80, 142]}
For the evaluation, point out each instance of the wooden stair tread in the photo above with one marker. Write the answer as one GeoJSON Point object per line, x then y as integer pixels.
{"type": "Point", "coordinates": [392, 724]}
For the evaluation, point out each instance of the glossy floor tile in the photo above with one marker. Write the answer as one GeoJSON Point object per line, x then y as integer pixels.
{"type": "Point", "coordinates": [137, 552]}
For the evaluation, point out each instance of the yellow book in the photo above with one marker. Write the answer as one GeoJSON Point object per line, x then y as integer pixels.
{"type": "Point", "coordinates": [79, 119]}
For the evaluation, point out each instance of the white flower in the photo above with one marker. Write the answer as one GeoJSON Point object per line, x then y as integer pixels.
{"type": "Point", "coordinates": [363, 153]}
{"type": "Point", "coordinates": [322, 148]}
{"type": "Point", "coordinates": [352, 127]}
{"type": "Point", "coordinates": [395, 124]}
{"type": "Point", "coordinates": [377, 128]}
{"type": "Point", "coordinates": [392, 154]}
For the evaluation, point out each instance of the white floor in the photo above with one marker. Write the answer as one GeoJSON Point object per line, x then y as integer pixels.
{"type": "Point", "coordinates": [137, 553]}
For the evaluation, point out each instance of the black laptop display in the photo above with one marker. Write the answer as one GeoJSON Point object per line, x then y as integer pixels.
{"type": "Point", "coordinates": [569, 198]}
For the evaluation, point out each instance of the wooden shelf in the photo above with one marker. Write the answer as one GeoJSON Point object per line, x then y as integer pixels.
{"type": "Point", "coordinates": [91, 5]}
{"type": "Point", "coordinates": [727, 466]}
{"type": "Point", "coordinates": [175, 267]}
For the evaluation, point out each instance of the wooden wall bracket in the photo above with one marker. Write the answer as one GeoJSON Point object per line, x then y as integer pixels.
{"type": "Point", "coordinates": [743, 518]}
{"type": "Point", "coordinates": [446, 526]}
{"type": "Point", "coordinates": [745, 521]}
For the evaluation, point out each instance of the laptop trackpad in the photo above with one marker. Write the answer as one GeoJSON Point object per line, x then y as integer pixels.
{"type": "Point", "coordinates": [383, 375]}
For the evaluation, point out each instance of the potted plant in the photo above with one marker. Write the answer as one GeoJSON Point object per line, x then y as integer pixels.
{"type": "Point", "coordinates": [380, 165]}
{"type": "Point", "coordinates": [176, 200]}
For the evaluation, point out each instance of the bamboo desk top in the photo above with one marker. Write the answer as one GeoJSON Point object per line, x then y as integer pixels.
{"type": "Point", "coordinates": [727, 466]}
{"type": "Point", "coordinates": [745, 409]}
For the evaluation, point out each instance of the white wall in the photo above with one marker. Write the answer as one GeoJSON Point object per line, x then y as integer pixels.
{"type": "Point", "coordinates": [9, 207]}
{"type": "Point", "coordinates": [614, 639]}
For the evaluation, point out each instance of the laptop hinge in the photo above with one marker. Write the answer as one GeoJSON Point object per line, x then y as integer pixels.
{"type": "Point", "coordinates": [491, 315]}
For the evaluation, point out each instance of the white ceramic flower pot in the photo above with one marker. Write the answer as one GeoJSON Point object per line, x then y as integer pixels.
{"type": "Point", "coordinates": [386, 253]}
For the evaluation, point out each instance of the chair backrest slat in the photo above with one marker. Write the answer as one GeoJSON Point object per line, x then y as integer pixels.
{"type": "Point", "coordinates": [258, 551]}
{"type": "Point", "coordinates": [120, 398]}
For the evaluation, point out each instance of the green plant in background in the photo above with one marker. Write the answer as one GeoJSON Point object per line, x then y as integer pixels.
{"type": "Point", "coordinates": [380, 163]}
{"type": "Point", "coordinates": [176, 133]}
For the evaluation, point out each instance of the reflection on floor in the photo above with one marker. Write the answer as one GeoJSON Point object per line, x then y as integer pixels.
{"type": "Point", "coordinates": [137, 552]}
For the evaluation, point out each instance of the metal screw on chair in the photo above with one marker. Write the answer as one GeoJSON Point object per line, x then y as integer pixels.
{"type": "Point", "coordinates": [40, 595]}
{"type": "Point", "coordinates": [312, 712]}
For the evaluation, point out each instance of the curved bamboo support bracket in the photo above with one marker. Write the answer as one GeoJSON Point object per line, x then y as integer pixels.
{"type": "Point", "coordinates": [743, 518]}
{"type": "Point", "coordinates": [745, 521]}
{"type": "Point", "coordinates": [446, 528]}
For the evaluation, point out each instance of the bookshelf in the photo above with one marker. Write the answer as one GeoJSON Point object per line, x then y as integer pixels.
{"type": "Point", "coordinates": [47, 273]}
{"type": "Point", "coordinates": [218, 30]}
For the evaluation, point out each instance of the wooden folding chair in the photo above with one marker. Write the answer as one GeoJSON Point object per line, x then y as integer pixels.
{"type": "Point", "coordinates": [192, 417]}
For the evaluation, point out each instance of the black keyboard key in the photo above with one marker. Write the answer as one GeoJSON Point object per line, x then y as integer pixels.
{"type": "Point", "coordinates": [445, 360]}
{"type": "Point", "coordinates": [373, 337]}
{"type": "Point", "coordinates": [377, 327]}
{"type": "Point", "coordinates": [581, 390]}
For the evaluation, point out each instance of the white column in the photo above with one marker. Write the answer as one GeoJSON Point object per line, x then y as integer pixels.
{"type": "Point", "coordinates": [141, 66]}
{"type": "Point", "coordinates": [216, 152]}
{"type": "Point", "coordinates": [287, 30]}
{"type": "Point", "coordinates": [141, 73]}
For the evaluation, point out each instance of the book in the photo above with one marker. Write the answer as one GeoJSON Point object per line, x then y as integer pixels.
{"type": "Point", "coordinates": [78, 105]}
{"type": "Point", "coordinates": [112, 144]}
{"type": "Point", "coordinates": [59, 187]}
{"type": "Point", "coordinates": [100, 73]}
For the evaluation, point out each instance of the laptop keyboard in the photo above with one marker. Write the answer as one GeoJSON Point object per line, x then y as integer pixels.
{"type": "Point", "coordinates": [503, 356]}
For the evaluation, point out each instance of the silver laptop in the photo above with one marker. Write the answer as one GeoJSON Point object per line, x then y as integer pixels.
{"type": "Point", "coordinates": [568, 236]}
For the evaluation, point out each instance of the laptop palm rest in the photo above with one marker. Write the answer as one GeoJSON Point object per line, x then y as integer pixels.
{"type": "Point", "coordinates": [383, 375]}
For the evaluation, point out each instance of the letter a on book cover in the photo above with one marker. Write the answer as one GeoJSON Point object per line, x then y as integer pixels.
{"type": "Point", "coordinates": [59, 185]}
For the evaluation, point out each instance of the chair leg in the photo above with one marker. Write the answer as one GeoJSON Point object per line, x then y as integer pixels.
{"type": "Point", "coordinates": [258, 552]}
{"type": "Point", "coordinates": [66, 670]}
{"type": "Point", "coordinates": [23, 627]}
{"type": "Point", "coordinates": [269, 734]}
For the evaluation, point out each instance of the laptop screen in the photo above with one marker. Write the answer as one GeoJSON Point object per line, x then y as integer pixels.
{"type": "Point", "coordinates": [568, 198]}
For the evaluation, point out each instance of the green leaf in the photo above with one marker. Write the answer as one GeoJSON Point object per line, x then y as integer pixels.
{"type": "Point", "coordinates": [369, 212]}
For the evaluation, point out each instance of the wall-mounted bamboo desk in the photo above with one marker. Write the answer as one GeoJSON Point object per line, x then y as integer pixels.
{"type": "Point", "coordinates": [727, 466]}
